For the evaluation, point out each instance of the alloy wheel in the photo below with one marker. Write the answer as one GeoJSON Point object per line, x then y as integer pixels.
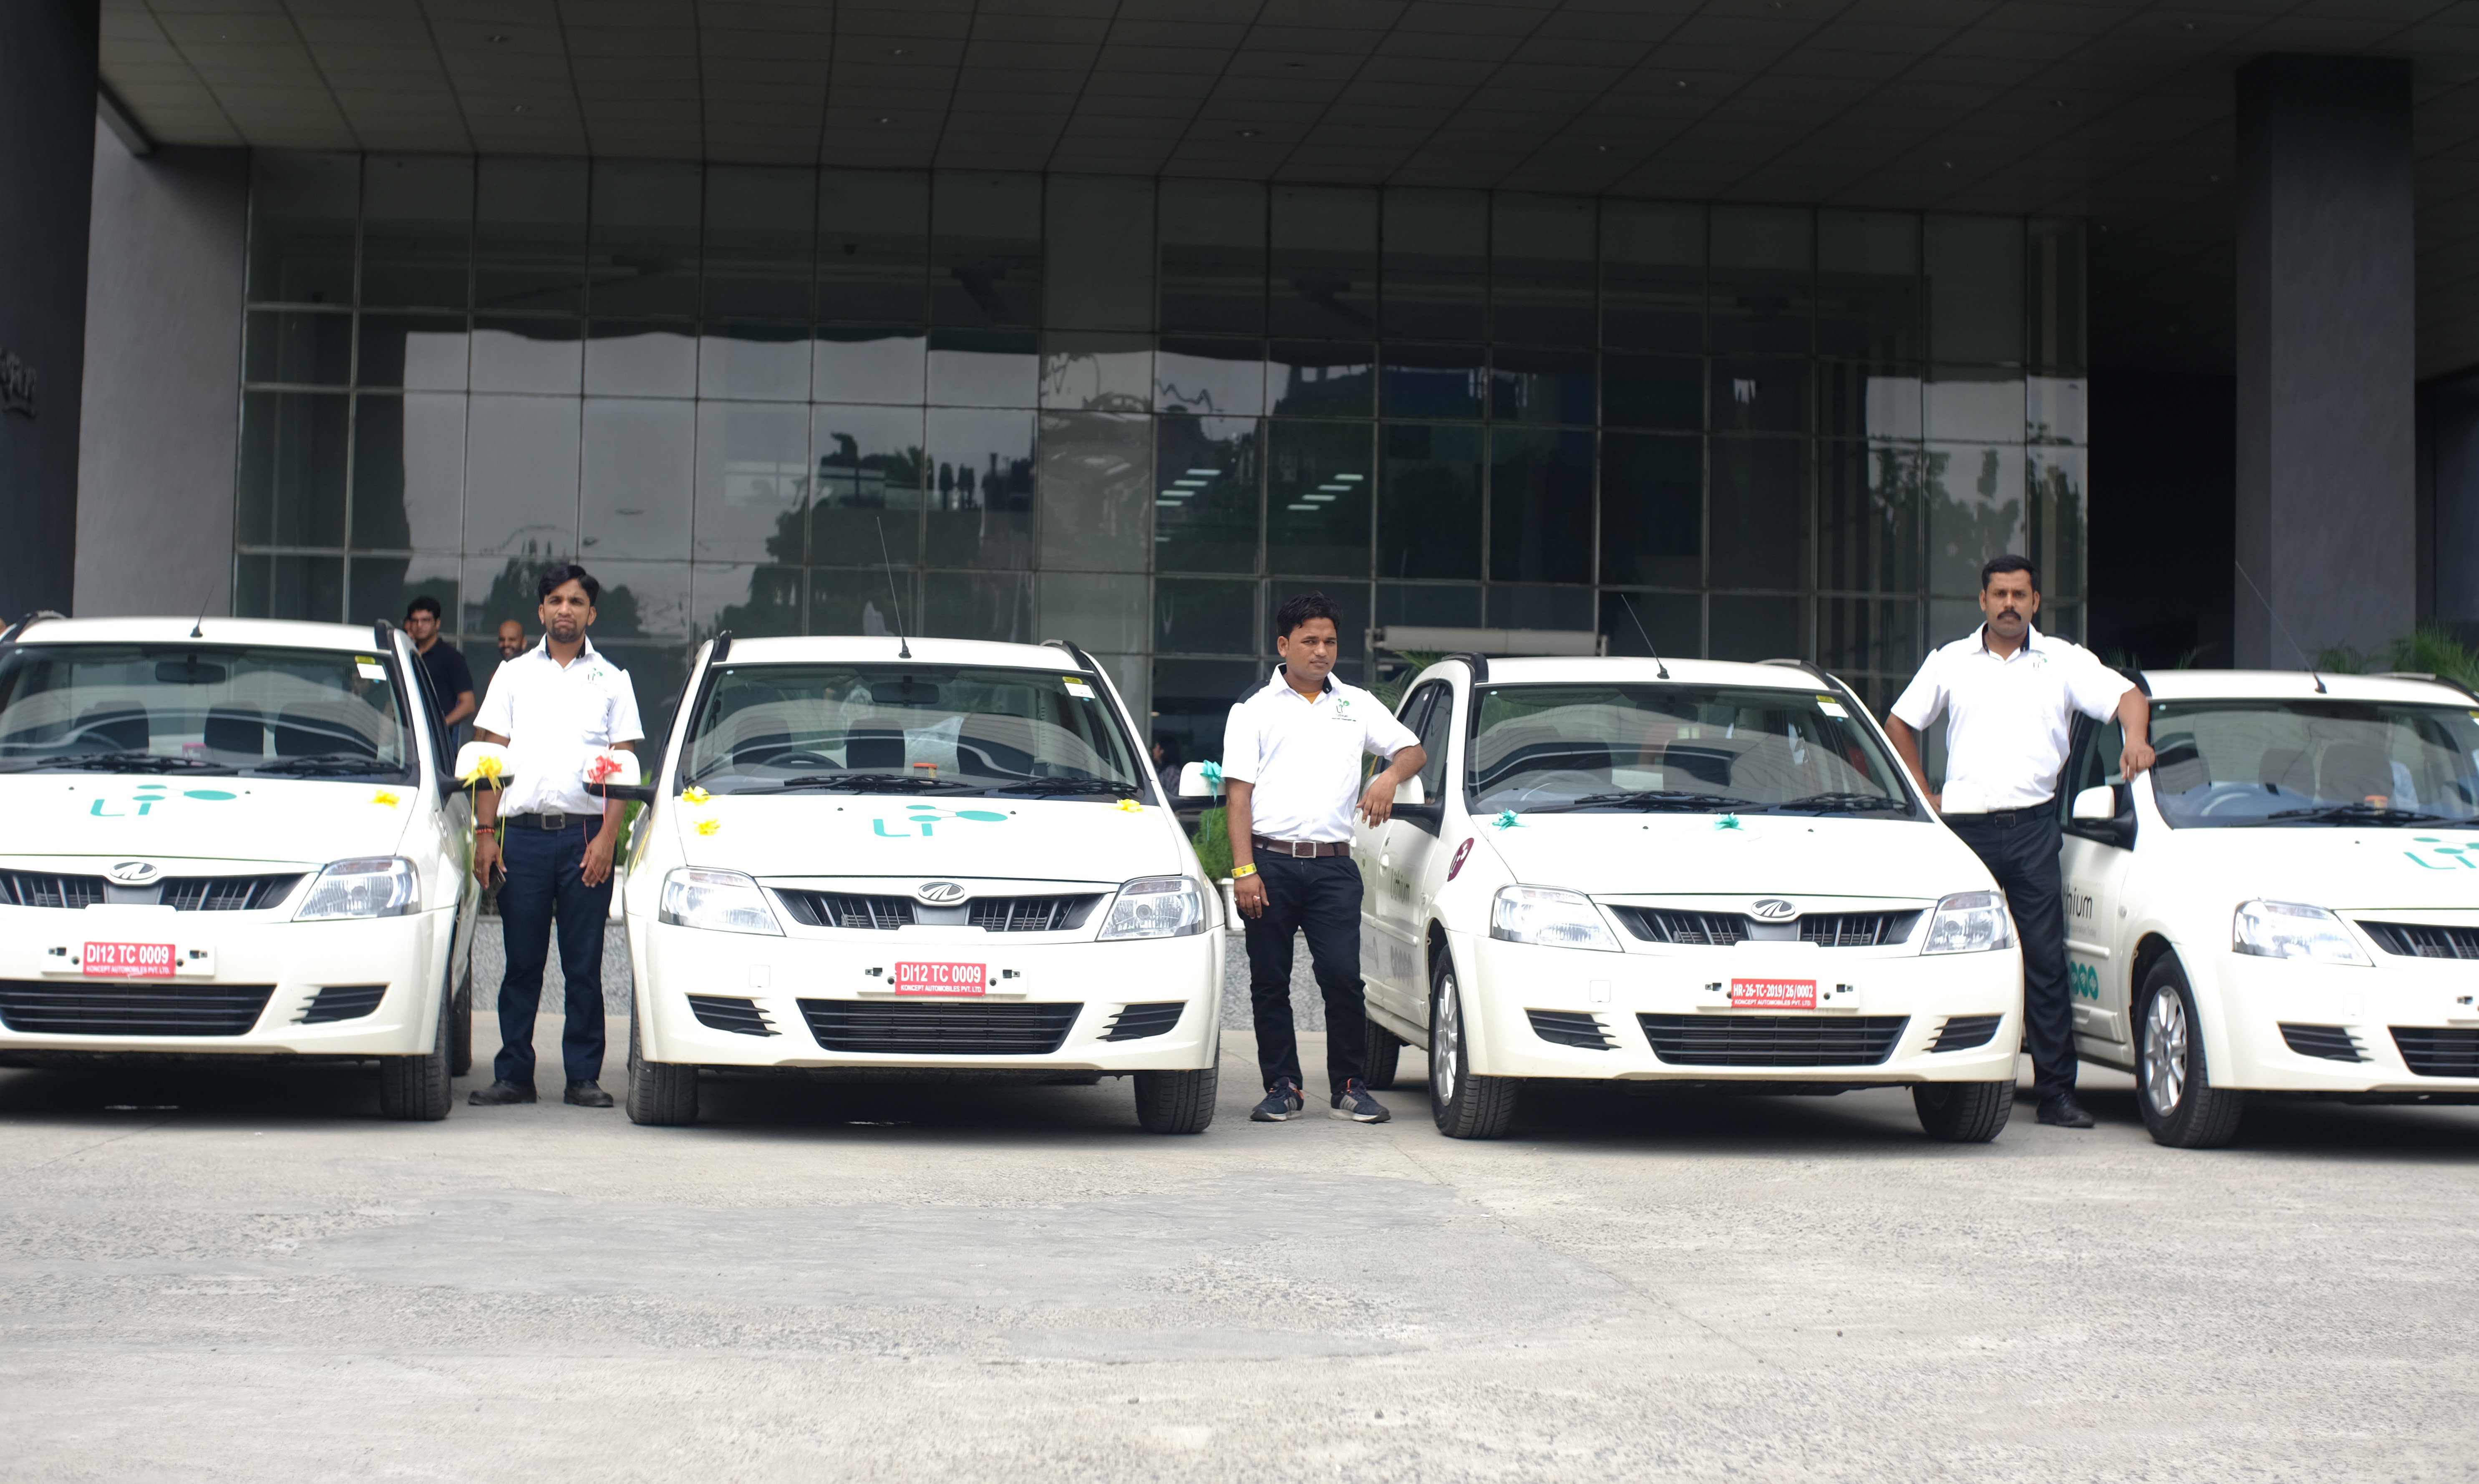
{"type": "Point", "coordinates": [1445, 1047]}
{"type": "Point", "coordinates": [2164, 1051]}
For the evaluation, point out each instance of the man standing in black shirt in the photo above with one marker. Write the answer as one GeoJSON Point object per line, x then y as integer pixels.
{"type": "Point", "coordinates": [449, 678]}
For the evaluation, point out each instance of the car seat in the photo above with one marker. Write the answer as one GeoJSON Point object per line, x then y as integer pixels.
{"type": "Point", "coordinates": [234, 729]}
{"type": "Point", "coordinates": [874, 751]}
{"type": "Point", "coordinates": [2350, 771]}
{"type": "Point", "coordinates": [123, 728]}
{"type": "Point", "coordinates": [303, 732]}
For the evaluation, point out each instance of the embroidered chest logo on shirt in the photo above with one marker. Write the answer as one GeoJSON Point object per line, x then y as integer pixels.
{"type": "Point", "coordinates": [1342, 708]}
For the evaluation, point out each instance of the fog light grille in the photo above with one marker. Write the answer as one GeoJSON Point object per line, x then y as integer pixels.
{"type": "Point", "coordinates": [2331, 1042]}
{"type": "Point", "coordinates": [342, 1002]}
{"type": "Point", "coordinates": [1571, 1028]}
{"type": "Point", "coordinates": [723, 1012]}
{"type": "Point", "coordinates": [1136, 1022]}
{"type": "Point", "coordinates": [1962, 1033]}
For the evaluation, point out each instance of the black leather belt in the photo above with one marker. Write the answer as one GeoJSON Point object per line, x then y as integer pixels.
{"type": "Point", "coordinates": [542, 821]}
{"type": "Point", "coordinates": [1301, 850]}
{"type": "Point", "coordinates": [2008, 817]}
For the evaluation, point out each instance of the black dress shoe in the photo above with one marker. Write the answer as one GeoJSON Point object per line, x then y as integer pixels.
{"type": "Point", "coordinates": [2063, 1111]}
{"type": "Point", "coordinates": [585, 1094]}
{"type": "Point", "coordinates": [500, 1094]}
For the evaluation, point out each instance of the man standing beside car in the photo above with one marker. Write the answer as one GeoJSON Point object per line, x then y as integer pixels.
{"type": "Point", "coordinates": [451, 679]}
{"type": "Point", "coordinates": [551, 706]}
{"type": "Point", "coordinates": [2009, 694]}
{"type": "Point", "coordinates": [1290, 765]}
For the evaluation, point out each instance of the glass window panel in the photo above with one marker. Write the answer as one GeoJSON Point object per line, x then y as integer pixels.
{"type": "Point", "coordinates": [1213, 257]}
{"type": "Point", "coordinates": [1193, 701]}
{"type": "Point", "coordinates": [417, 230]}
{"type": "Point", "coordinates": [1097, 495]}
{"type": "Point", "coordinates": [644, 257]}
{"type": "Point", "coordinates": [1541, 269]}
{"type": "Point", "coordinates": [1868, 285]}
{"type": "Point", "coordinates": [1859, 400]}
{"type": "Point", "coordinates": [640, 477]}
{"type": "Point", "coordinates": [1104, 613]}
{"type": "Point", "coordinates": [1206, 616]}
{"type": "Point", "coordinates": [1654, 390]}
{"type": "Point", "coordinates": [291, 486]}
{"type": "Point", "coordinates": [1448, 605]}
{"type": "Point", "coordinates": [869, 366]}
{"type": "Point", "coordinates": [409, 473]}
{"type": "Point", "coordinates": [1436, 265]}
{"type": "Point", "coordinates": [2058, 518]}
{"type": "Point", "coordinates": [1434, 381]}
{"type": "Point", "coordinates": [874, 245]}
{"type": "Point", "coordinates": [1950, 618]}
{"type": "Point", "coordinates": [1542, 386]}
{"type": "Point", "coordinates": [1324, 262]}
{"type": "Point", "coordinates": [2055, 409]}
{"type": "Point", "coordinates": [1759, 514]}
{"type": "Point", "coordinates": [658, 673]}
{"type": "Point", "coordinates": [1973, 504]}
{"type": "Point", "coordinates": [1090, 371]}
{"type": "Point", "coordinates": [760, 241]}
{"type": "Point", "coordinates": [1531, 605]}
{"type": "Point", "coordinates": [521, 476]}
{"type": "Point", "coordinates": [497, 589]}
{"type": "Point", "coordinates": [1653, 276]}
{"type": "Point", "coordinates": [758, 361]}
{"type": "Point", "coordinates": [1868, 516]}
{"type": "Point", "coordinates": [1539, 505]}
{"type": "Point", "coordinates": [748, 600]}
{"type": "Point", "coordinates": [305, 588]}
{"type": "Point", "coordinates": [527, 355]}
{"type": "Point", "coordinates": [869, 484]}
{"type": "Point", "coordinates": [992, 605]}
{"type": "Point", "coordinates": [984, 368]}
{"type": "Point", "coordinates": [870, 602]}
{"type": "Point", "coordinates": [1763, 291]}
{"type": "Point", "coordinates": [1211, 377]}
{"type": "Point", "coordinates": [985, 249]}
{"type": "Point", "coordinates": [1350, 598]}
{"type": "Point", "coordinates": [299, 348]}
{"type": "Point", "coordinates": [753, 481]}
{"type": "Point", "coordinates": [980, 489]}
{"type": "Point", "coordinates": [2055, 284]}
{"type": "Point", "coordinates": [422, 352]}
{"type": "Point", "coordinates": [302, 209]}
{"type": "Point", "coordinates": [640, 600]}
{"type": "Point", "coordinates": [382, 586]}
{"type": "Point", "coordinates": [1428, 503]}
{"type": "Point", "coordinates": [640, 358]}
{"type": "Point", "coordinates": [1967, 404]}
{"type": "Point", "coordinates": [1205, 494]}
{"type": "Point", "coordinates": [1321, 379]}
{"type": "Point", "coordinates": [1753, 627]}
{"type": "Point", "coordinates": [1751, 396]}
{"type": "Point", "coordinates": [1975, 269]}
{"type": "Point", "coordinates": [530, 235]}
{"type": "Point", "coordinates": [1653, 509]}
{"type": "Point", "coordinates": [1670, 625]}
{"type": "Point", "coordinates": [1098, 253]}
{"type": "Point", "coordinates": [1316, 499]}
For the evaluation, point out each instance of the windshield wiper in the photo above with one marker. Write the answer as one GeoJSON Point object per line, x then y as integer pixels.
{"type": "Point", "coordinates": [1841, 803]}
{"type": "Point", "coordinates": [874, 782]}
{"type": "Point", "coordinates": [1070, 785]}
{"type": "Point", "coordinates": [2358, 814]}
{"type": "Point", "coordinates": [327, 762]}
{"type": "Point", "coordinates": [131, 762]}
{"type": "Point", "coordinates": [1645, 799]}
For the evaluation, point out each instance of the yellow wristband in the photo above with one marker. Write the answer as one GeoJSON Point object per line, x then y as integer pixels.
{"type": "Point", "coordinates": [1237, 872]}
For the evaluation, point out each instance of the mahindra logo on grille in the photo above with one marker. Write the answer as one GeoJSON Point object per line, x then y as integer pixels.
{"type": "Point", "coordinates": [939, 891]}
{"type": "Point", "coordinates": [1774, 908]}
{"type": "Point", "coordinates": [134, 873]}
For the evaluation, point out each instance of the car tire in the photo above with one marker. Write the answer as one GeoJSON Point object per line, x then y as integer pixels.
{"type": "Point", "coordinates": [1464, 1105]}
{"type": "Point", "coordinates": [1381, 1055]}
{"type": "Point", "coordinates": [661, 1094]}
{"type": "Point", "coordinates": [460, 1025]}
{"type": "Point", "coordinates": [415, 1088]}
{"type": "Point", "coordinates": [1963, 1112]}
{"type": "Point", "coordinates": [2173, 1082]}
{"type": "Point", "coordinates": [1177, 1102]}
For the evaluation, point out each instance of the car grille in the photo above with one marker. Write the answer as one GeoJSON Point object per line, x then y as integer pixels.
{"type": "Point", "coordinates": [72, 1008]}
{"type": "Point", "coordinates": [1962, 1033]}
{"type": "Point", "coordinates": [227, 893]}
{"type": "Point", "coordinates": [1032, 914]}
{"type": "Point", "coordinates": [35, 888]}
{"type": "Point", "coordinates": [2436, 1051]}
{"type": "Point", "coordinates": [2422, 940]}
{"type": "Point", "coordinates": [342, 1002]}
{"type": "Point", "coordinates": [1721, 929]}
{"type": "Point", "coordinates": [726, 1013]}
{"type": "Point", "coordinates": [1571, 1028]}
{"type": "Point", "coordinates": [2331, 1042]}
{"type": "Point", "coordinates": [1139, 1021]}
{"type": "Point", "coordinates": [939, 1029]}
{"type": "Point", "coordinates": [993, 914]}
{"type": "Point", "coordinates": [847, 910]}
{"type": "Point", "coordinates": [1856, 930]}
{"type": "Point", "coordinates": [1773, 1040]}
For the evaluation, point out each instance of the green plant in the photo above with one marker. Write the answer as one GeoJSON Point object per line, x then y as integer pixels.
{"type": "Point", "coordinates": [1390, 692]}
{"type": "Point", "coordinates": [1213, 842]}
{"type": "Point", "coordinates": [2340, 659]}
{"type": "Point", "coordinates": [2433, 649]}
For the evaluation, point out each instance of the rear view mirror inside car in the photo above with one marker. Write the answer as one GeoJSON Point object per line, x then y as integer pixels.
{"type": "Point", "coordinates": [188, 669]}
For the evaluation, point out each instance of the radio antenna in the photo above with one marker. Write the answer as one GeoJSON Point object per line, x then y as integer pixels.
{"type": "Point", "coordinates": [1648, 638]}
{"type": "Point", "coordinates": [198, 627]}
{"type": "Point", "coordinates": [903, 645]}
{"type": "Point", "coordinates": [2275, 615]}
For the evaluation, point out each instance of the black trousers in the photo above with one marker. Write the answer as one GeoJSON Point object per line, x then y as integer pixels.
{"type": "Point", "coordinates": [1321, 899]}
{"type": "Point", "coordinates": [2023, 857]}
{"type": "Point", "coordinates": [545, 880]}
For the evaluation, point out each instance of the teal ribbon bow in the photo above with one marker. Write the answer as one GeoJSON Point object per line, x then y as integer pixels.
{"type": "Point", "coordinates": [1506, 820]}
{"type": "Point", "coordinates": [1727, 822]}
{"type": "Point", "coordinates": [1212, 772]}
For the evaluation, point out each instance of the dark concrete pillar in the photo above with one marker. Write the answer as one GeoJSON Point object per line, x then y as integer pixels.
{"type": "Point", "coordinates": [47, 61]}
{"type": "Point", "coordinates": [2326, 336]}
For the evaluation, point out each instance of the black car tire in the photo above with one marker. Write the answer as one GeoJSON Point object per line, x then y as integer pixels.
{"type": "Point", "coordinates": [661, 1094]}
{"type": "Point", "coordinates": [415, 1088]}
{"type": "Point", "coordinates": [1381, 1055]}
{"type": "Point", "coordinates": [1963, 1112]}
{"type": "Point", "coordinates": [2173, 1082]}
{"type": "Point", "coordinates": [1464, 1105]}
{"type": "Point", "coordinates": [1177, 1102]}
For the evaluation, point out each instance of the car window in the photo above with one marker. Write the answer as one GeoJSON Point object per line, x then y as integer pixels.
{"type": "Point", "coordinates": [2313, 762]}
{"type": "Point", "coordinates": [1432, 728]}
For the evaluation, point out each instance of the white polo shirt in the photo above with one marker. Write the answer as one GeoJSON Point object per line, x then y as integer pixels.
{"type": "Point", "coordinates": [552, 715]}
{"type": "Point", "coordinates": [2006, 720]}
{"type": "Point", "coordinates": [1303, 755]}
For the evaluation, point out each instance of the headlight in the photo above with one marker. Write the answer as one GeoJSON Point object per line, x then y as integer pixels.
{"type": "Point", "coordinates": [387, 886]}
{"type": "Point", "coordinates": [2292, 930]}
{"type": "Point", "coordinates": [1157, 906]}
{"type": "Point", "coordinates": [1970, 922]}
{"type": "Point", "coordinates": [1551, 917]}
{"type": "Point", "coordinates": [719, 901]}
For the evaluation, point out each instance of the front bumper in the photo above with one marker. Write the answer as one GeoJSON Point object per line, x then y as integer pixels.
{"type": "Point", "coordinates": [2400, 1007]}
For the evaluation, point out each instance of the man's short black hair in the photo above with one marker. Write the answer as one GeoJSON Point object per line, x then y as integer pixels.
{"type": "Point", "coordinates": [566, 573]}
{"type": "Point", "coordinates": [1301, 607]}
{"type": "Point", "coordinates": [426, 604]}
{"type": "Point", "coordinates": [2010, 562]}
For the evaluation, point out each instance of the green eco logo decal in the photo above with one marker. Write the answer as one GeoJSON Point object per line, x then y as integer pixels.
{"type": "Point", "coordinates": [2446, 856]}
{"type": "Point", "coordinates": [149, 795]}
{"type": "Point", "coordinates": [2083, 980]}
{"type": "Point", "coordinates": [929, 816]}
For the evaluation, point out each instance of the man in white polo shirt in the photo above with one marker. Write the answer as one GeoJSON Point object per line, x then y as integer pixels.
{"type": "Point", "coordinates": [1291, 763]}
{"type": "Point", "coordinates": [549, 706]}
{"type": "Point", "coordinates": [2009, 694]}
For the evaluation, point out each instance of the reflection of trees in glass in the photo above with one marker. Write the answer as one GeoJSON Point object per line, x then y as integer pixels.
{"type": "Point", "coordinates": [850, 478]}
{"type": "Point", "coordinates": [1967, 530]}
{"type": "Point", "coordinates": [513, 596]}
{"type": "Point", "coordinates": [774, 605]}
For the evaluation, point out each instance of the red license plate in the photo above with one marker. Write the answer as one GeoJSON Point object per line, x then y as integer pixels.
{"type": "Point", "coordinates": [1773, 994]}
{"type": "Point", "coordinates": [127, 960]}
{"type": "Point", "coordinates": [942, 979]}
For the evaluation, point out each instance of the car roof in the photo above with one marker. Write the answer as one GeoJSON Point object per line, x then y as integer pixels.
{"type": "Point", "coordinates": [1518, 670]}
{"type": "Point", "coordinates": [2284, 684]}
{"type": "Point", "coordinates": [275, 633]}
{"type": "Point", "coordinates": [874, 649]}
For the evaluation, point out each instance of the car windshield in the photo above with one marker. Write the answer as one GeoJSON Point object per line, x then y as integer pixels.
{"type": "Point", "coordinates": [179, 708]}
{"type": "Point", "coordinates": [1665, 746]}
{"type": "Point", "coordinates": [914, 727]}
{"type": "Point", "coordinates": [2315, 761]}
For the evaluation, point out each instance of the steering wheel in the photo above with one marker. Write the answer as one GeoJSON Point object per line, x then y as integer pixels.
{"type": "Point", "coordinates": [801, 759]}
{"type": "Point", "coordinates": [2223, 796]}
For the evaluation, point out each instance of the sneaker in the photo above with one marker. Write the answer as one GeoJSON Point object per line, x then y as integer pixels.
{"type": "Point", "coordinates": [1282, 1100]}
{"type": "Point", "coordinates": [586, 1095]}
{"type": "Point", "coordinates": [1353, 1102]}
{"type": "Point", "coordinates": [500, 1094]}
{"type": "Point", "coordinates": [2061, 1111]}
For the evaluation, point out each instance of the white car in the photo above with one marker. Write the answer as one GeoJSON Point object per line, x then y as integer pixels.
{"type": "Point", "coordinates": [932, 853]}
{"type": "Point", "coordinates": [2285, 903]}
{"type": "Point", "coordinates": [229, 837]}
{"type": "Point", "coordinates": [1615, 870]}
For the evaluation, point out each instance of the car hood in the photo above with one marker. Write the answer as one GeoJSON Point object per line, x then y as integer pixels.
{"type": "Point", "coordinates": [1699, 855]}
{"type": "Point", "coordinates": [841, 834]}
{"type": "Point", "coordinates": [308, 821]}
{"type": "Point", "coordinates": [2341, 869]}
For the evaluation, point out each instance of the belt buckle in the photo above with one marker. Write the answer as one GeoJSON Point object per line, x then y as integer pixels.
{"type": "Point", "coordinates": [1298, 853]}
{"type": "Point", "coordinates": [553, 821]}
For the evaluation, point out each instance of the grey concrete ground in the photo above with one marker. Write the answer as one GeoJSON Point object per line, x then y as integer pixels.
{"type": "Point", "coordinates": [246, 1275]}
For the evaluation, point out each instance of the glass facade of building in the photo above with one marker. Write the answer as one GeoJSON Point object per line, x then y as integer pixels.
{"type": "Point", "coordinates": [1138, 413]}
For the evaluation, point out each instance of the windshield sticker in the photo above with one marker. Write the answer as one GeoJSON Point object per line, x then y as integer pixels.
{"type": "Point", "coordinates": [1462, 853]}
{"type": "Point", "coordinates": [1832, 707]}
{"type": "Point", "coordinates": [2447, 858]}
{"type": "Point", "coordinates": [929, 816]}
{"type": "Point", "coordinates": [371, 669]}
{"type": "Point", "coordinates": [1078, 688]}
{"type": "Point", "coordinates": [141, 801]}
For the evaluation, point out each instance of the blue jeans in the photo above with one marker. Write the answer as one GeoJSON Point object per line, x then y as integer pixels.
{"type": "Point", "coordinates": [545, 880]}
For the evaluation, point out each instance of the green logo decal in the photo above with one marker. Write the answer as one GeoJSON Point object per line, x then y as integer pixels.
{"type": "Point", "coordinates": [143, 801]}
{"type": "Point", "coordinates": [2440, 857]}
{"type": "Point", "coordinates": [2083, 980]}
{"type": "Point", "coordinates": [929, 816]}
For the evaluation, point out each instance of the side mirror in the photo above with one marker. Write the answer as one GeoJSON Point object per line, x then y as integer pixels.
{"type": "Point", "coordinates": [625, 793]}
{"type": "Point", "coordinates": [2096, 805]}
{"type": "Point", "coordinates": [1194, 785]}
{"type": "Point", "coordinates": [1410, 791]}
